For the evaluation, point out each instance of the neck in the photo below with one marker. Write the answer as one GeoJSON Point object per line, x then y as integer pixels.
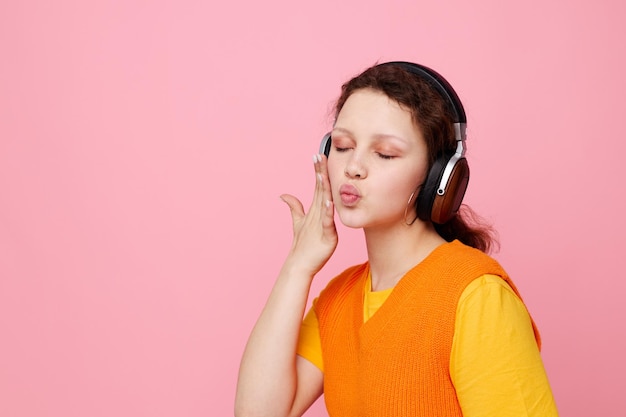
{"type": "Point", "coordinates": [393, 251]}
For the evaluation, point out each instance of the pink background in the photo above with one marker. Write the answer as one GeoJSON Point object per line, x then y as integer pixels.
{"type": "Point", "coordinates": [144, 144]}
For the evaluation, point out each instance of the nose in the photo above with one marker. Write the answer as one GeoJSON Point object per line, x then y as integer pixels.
{"type": "Point", "coordinates": [355, 168]}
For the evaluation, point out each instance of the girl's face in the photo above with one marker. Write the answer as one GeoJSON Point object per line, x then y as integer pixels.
{"type": "Point", "coordinates": [377, 160]}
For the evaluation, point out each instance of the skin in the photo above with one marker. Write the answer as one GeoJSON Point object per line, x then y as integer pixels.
{"type": "Point", "coordinates": [379, 154]}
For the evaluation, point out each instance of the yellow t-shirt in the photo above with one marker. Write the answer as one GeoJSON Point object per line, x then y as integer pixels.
{"type": "Point", "coordinates": [495, 363]}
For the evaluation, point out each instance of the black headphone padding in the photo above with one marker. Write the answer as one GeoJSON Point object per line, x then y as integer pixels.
{"type": "Point", "coordinates": [428, 192]}
{"type": "Point", "coordinates": [326, 144]}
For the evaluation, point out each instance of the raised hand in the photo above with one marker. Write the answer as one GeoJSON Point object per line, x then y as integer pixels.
{"type": "Point", "coordinates": [314, 233]}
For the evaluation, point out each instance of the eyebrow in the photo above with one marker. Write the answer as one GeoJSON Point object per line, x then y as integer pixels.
{"type": "Point", "coordinates": [377, 136]}
{"type": "Point", "coordinates": [341, 129]}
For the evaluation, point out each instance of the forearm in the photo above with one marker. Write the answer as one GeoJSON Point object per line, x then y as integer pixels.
{"type": "Point", "coordinates": [268, 377]}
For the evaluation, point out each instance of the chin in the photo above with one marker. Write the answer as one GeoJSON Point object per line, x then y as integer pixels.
{"type": "Point", "coordinates": [354, 220]}
{"type": "Point", "coordinates": [351, 221]}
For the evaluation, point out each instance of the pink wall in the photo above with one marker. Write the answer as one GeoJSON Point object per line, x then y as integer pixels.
{"type": "Point", "coordinates": [144, 144]}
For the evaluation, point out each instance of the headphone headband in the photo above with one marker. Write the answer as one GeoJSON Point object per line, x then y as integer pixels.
{"type": "Point", "coordinates": [439, 83]}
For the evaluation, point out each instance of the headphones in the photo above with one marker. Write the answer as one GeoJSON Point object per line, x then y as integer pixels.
{"type": "Point", "coordinates": [444, 188]}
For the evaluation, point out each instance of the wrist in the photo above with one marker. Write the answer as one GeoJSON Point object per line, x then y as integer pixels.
{"type": "Point", "coordinates": [294, 267]}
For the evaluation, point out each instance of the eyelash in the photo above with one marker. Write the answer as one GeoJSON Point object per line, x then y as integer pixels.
{"type": "Point", "coordinates": [380, 155]}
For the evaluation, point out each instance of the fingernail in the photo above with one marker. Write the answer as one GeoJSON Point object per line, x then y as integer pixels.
{"type": "Point", "coordinates": [319, 177]}
{"type": "Point", "coordinates": [315, 159]}
{"type": "Point", "coordinates": [327, 203]}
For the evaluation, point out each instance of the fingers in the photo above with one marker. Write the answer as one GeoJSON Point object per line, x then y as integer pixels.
{"type": "Point", "coordinates": [323, 170]}
{"type": "Point", "coordinates": [318, 196]}
{"type": "Point", "coordinates": [322, 209]}
{"type": "Point", "coordinates": [325, 196]}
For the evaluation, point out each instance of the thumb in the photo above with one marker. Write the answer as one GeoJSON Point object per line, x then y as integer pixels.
{"type": "Point", "coordinates": [297, 210]}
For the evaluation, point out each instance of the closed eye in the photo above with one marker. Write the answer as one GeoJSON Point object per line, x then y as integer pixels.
{"type": "Point", "coordinates": [383, 156]}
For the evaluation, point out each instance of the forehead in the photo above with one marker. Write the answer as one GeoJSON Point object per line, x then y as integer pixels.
{"type": "Point", "coordinates": [369, 111]}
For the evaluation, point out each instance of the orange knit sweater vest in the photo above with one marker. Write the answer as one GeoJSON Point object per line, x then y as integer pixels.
{"type": "Point", "coordinates": [397, 363]}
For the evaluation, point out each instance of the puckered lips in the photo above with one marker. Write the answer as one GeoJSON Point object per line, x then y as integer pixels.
{"type": "Point", "coordinates": [349, 194]}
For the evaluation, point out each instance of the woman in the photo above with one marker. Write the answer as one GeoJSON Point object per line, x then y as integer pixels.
{"type": "Point", "coordinates": [429, 325]}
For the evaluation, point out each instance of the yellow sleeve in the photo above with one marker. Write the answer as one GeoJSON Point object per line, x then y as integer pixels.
{"type": "Point", "coordinates": [495, 364]}
{"type": "Point", "coordinates": [309, 341]}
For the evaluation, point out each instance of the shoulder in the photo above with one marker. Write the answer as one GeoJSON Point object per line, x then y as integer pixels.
{"type": "Point", "coordinates": [347, 277]}
{"type": "Point", "coordinates": [344, 282]}
{"type": "Point", "coordinates": [495, 300]}
{"type": "Point", "coordinates": [487, 285]}
{"type": "Point", "coordinates": [457, 257]}
{"type": "Point", "coordinates": [462, 251]}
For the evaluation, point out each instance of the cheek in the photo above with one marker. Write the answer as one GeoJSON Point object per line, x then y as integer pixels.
{"type": "Point", "coordinates": [397, 194]}
{"type": "Point", "coordinates": [406, 182]}
{"type": "Point", "coordinates": [417, 175]}
{"type": "Point", "coordinates": [334, 174]}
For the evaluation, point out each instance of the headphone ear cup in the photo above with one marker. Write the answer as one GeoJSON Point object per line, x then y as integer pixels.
{"type": "Point", "coordinates": [447, 205]}
{"type": "Point", "coordinates": [325, 145]}
{"type": "Point", "coordinates": [426, 197]}
{"type": "Point", "coordinates": [431, 206]}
